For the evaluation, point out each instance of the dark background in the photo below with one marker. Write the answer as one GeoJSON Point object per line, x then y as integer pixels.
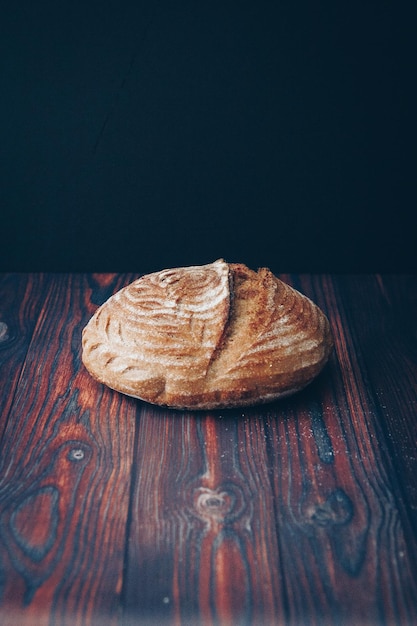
{"type": "Point", "coordinates": [142, 135]}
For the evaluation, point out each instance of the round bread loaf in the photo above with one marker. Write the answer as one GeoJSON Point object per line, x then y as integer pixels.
{"type": "Point", "coordinates": [207, 337]}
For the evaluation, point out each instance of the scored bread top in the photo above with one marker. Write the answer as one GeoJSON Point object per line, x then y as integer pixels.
{"type": "Point", "coordinates": [210, 336]}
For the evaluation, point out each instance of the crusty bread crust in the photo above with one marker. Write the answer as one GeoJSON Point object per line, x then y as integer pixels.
{"type": "Point", "coordinates": [207, 337]}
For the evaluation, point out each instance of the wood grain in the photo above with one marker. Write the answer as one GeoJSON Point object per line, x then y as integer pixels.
{"type": "Point", "coordinates": [384, 338]}
{"type": "Point", "coordinates": [19, 310]}
{"type": "Point", "coordinates": [299, 512]}
{"type": "Point", "coordinates": [66, 456]}
{"type": "Point", "coordinates": [202, 515]}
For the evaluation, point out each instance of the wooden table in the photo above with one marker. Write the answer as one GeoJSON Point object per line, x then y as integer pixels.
{"type": "Point", "coordinates": [300, 512]}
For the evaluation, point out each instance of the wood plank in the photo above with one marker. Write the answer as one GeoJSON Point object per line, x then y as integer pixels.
{"type": "Point", "coordinates": [202, 541]}
{"type": "Point", "coordinates": [384, 336]}
{"type": "Point", "coordinates": [19, 310]}
{"type": "Point", "coordinates": [65, 471]}
{"type": "Point", "coordinates": [361, 326]}
{"type": "Point", "coordinates": [280, 514]}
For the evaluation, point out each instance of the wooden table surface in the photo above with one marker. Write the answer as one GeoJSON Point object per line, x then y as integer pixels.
{"type": "Point", "coordinates": [299, 512]}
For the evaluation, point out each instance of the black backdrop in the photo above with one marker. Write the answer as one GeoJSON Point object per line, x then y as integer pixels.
{"type": "Point", "coordinates": [142, 135]}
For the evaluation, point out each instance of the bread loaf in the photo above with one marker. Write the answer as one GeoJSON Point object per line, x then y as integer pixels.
{"type": "Point", "coordinates": [206, 337]}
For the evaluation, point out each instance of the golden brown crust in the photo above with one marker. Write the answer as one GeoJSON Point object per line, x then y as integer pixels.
{"type": "Point", "coordinates": [207, 337]}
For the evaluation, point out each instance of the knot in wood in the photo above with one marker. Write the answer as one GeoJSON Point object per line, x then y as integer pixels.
{"type": "Point", "coordinates": [224, 504]}
{"type": "Point", "coordinates": [4, 332]}
{"type": "Point", "coordinates": [336, 510]}
{"type": "Point", "coordinates": [79, 451]}
{"type": "Point", "coordinates": [76, 454]}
